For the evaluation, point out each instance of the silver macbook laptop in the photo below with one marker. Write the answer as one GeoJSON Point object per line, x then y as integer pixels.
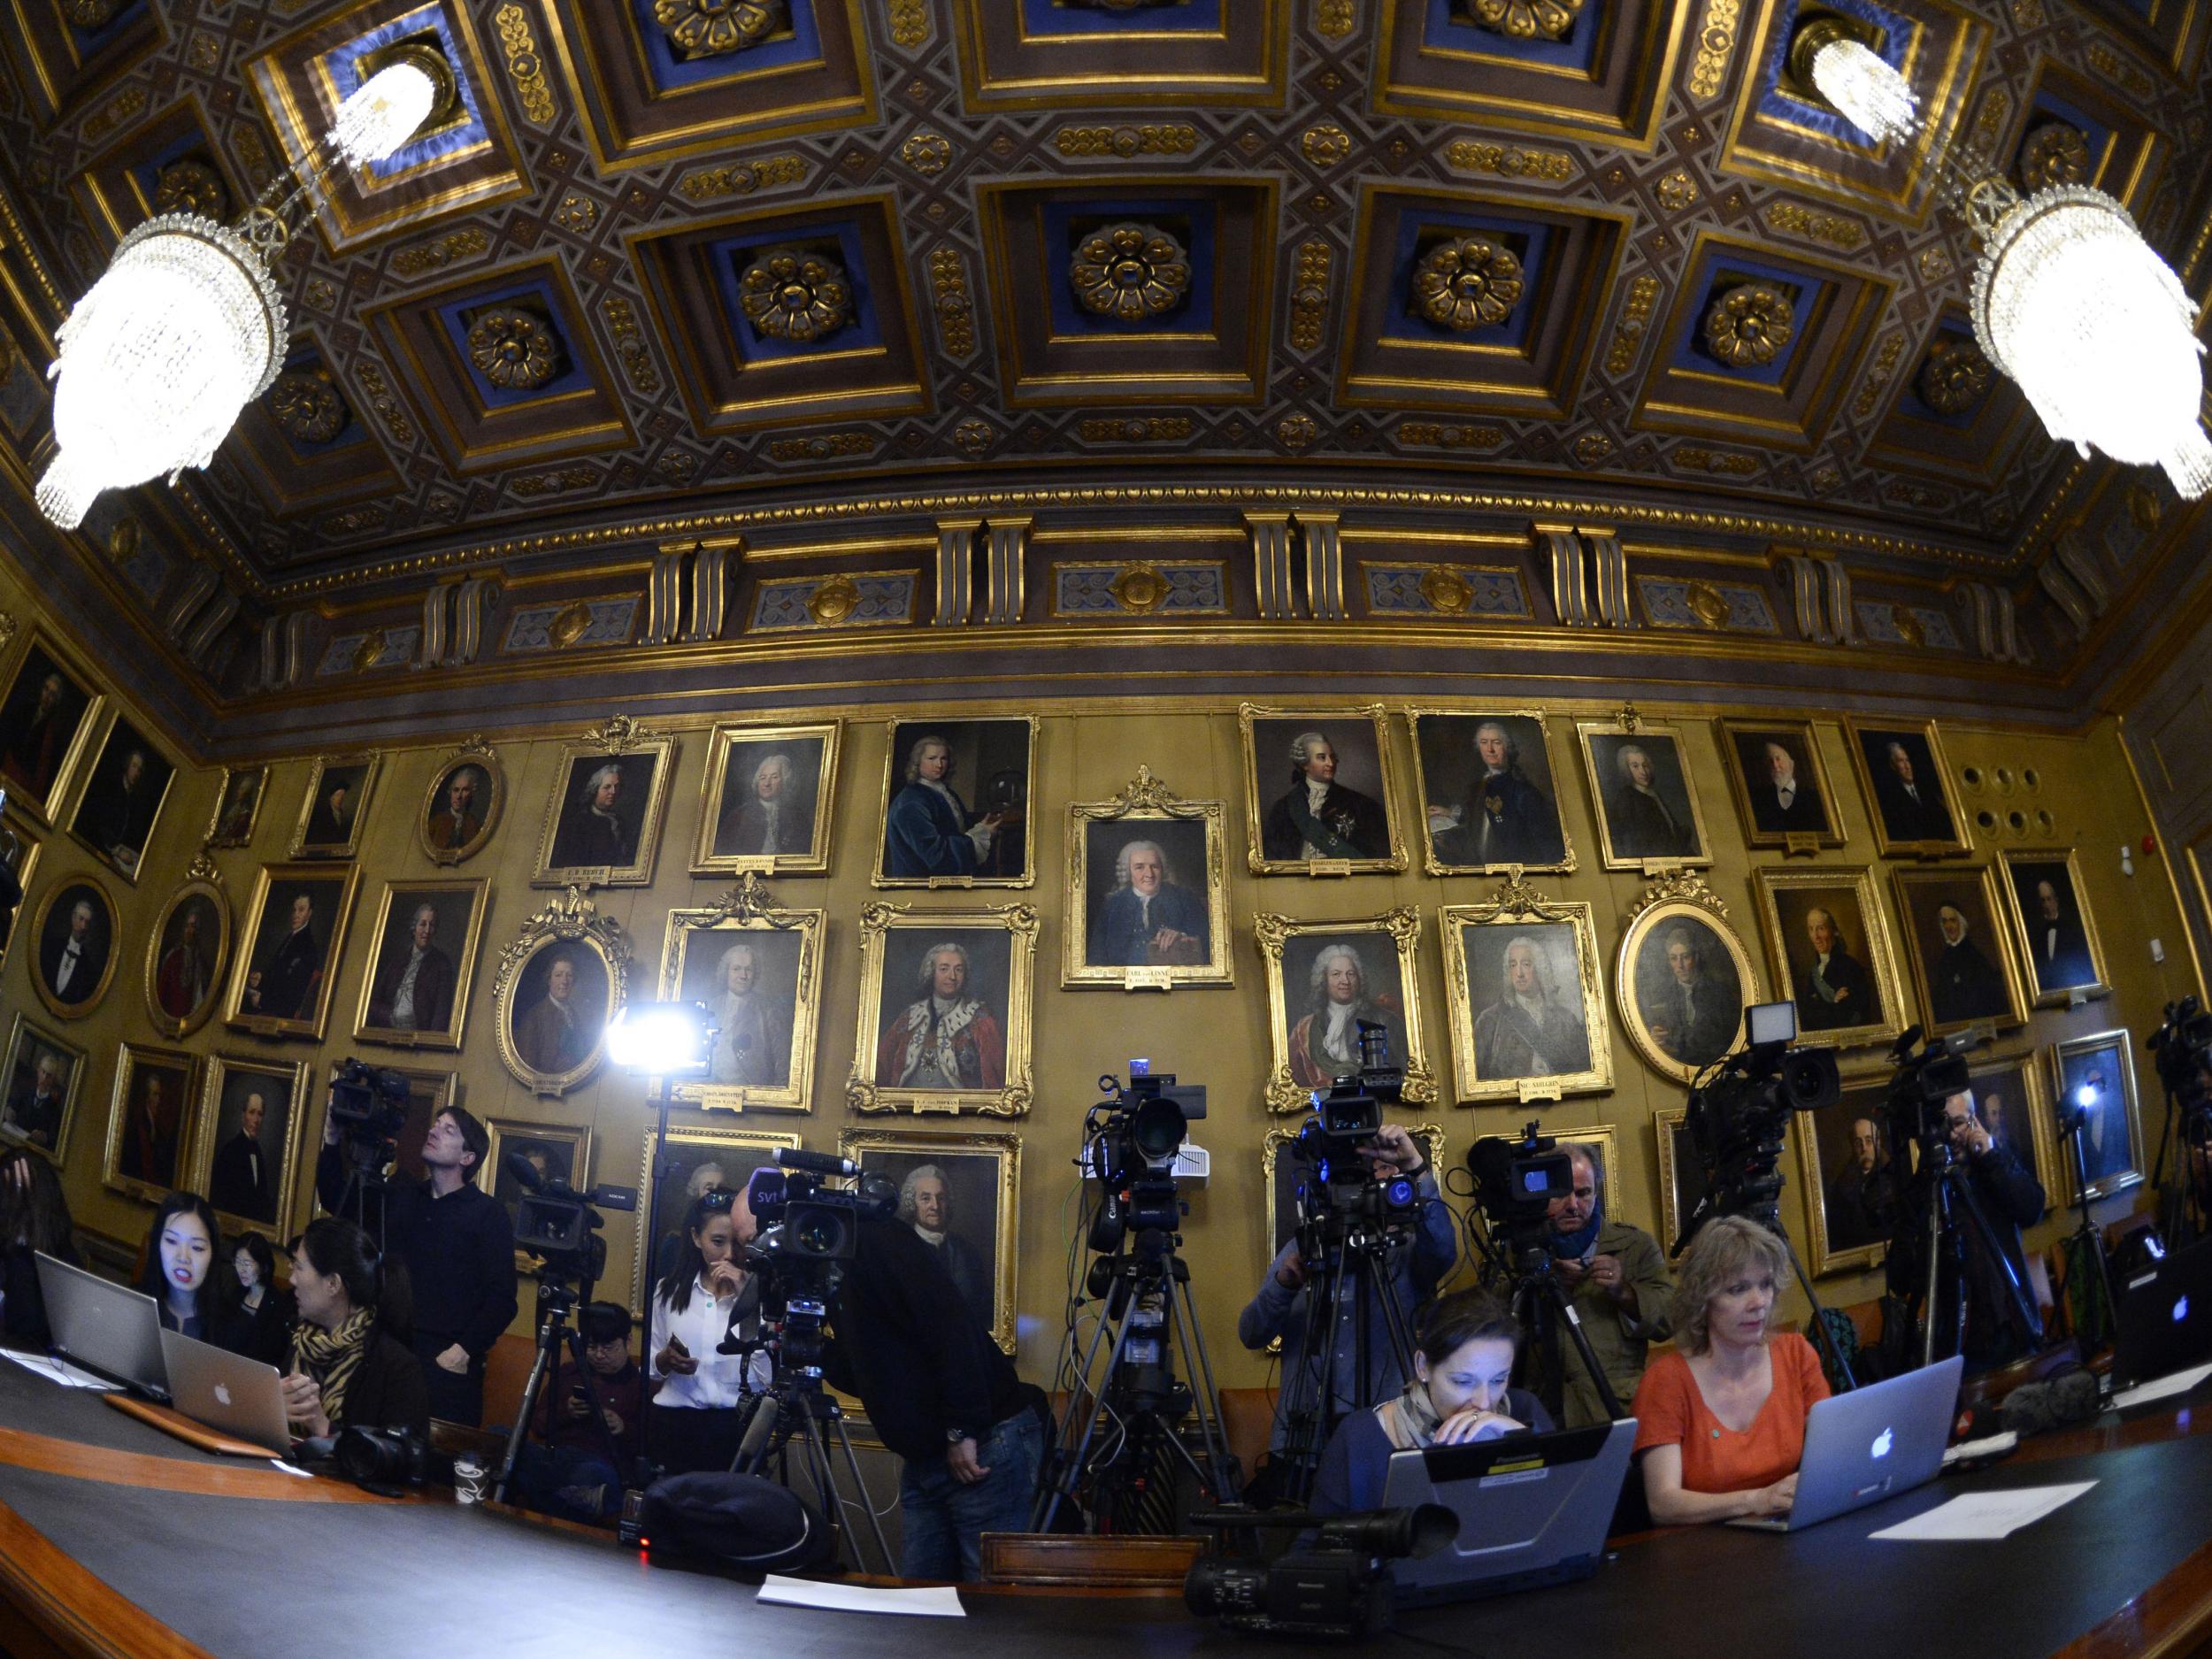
{"type": "Point", "coordinates": [226, 1391]}
{"type": "Point", "coordinates": [103, 1327]}
{"type": "Point", "coordinates": [1533, 1509]}
{"type": "Point", "coordinates": [1870, 1444]}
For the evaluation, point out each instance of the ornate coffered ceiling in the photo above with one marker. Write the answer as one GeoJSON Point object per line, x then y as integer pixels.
{"type": "Point", "coordinates": [665, 259]}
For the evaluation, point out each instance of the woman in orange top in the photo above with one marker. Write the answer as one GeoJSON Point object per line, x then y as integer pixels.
{"type": "Point", "coordinates": [1720, 1419]}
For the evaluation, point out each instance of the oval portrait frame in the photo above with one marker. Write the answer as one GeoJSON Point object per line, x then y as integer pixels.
{"type": "Point", "coordinates": [1656, 912]}
{"type": "Point", "coordinates": [201, 881]}
{"type": "Point", "coordinates": [571, 920]}
{"type": "Point", "coordinates": [486, 760]}
{"type": "Point", "coordinates": [51, 897]}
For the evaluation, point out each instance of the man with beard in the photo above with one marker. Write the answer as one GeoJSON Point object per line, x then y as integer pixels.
{"type": "Point", "coordinates": [285, 984]}
{"type": "Point", "coordinates": [1320, 818]}
{"type": "Point", "coordinates": [947, 1039]}
{"type": "Point", "coordinates": [1148, 921]}
{"type": "Point", "coordinates": [75, 963]}
{"type": "Point", "coordinates": [1964, 984]}
{"type": "Point", "coordinates": [1505, 819]}
{"type": "Point", "coordinates": [238, 1182]}
{"type": "Point", "coordinates": [1834, 989]}
{"type": "Point", "coordinates": [1643, 825]}
{"type": "Point", "coordinates": [773, 818]}
{"type": "Point", "coordinates": [752, 1044]}
{"type": "Point", "coordinates": [1617, 1277]}
{"type": "Point", "coordinates": [1782, 803]}
{"type": "Point", "coordinates": [1527, 1031]}
{"type": "Point", "coordinates": [415, 991]}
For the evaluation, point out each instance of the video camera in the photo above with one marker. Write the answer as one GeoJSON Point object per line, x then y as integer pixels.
{"type": "Point", "coordinates": [809, 1230]}
{"type": "Point", "coordinates": [368, 1104]}
{"type": "Point", "coordinates": [1129, 1143]}
{"type": "Point", "coordinates": [1737, 1116]}
{"type": "Point", "coordinates": [1924, 1080]}
{"type": "Point", "coordinates": [560, 1225]}
{"type": "Point", "coordinates": [2183, 1048]}
{"type": "Point", "coordinates": [1342, 1196]}
{"type": "Point", "coordinates": [1515, 1182]}
{"type": "Point", "coordinates": [1338, 1588]}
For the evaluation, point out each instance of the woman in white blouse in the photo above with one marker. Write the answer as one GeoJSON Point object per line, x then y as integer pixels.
{"type": "Point", "coordinates": [695, 1422]}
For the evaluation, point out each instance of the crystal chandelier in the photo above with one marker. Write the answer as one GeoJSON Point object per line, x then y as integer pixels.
{"type": "Point", "coordinates": [185, 325]}
{"type": "Point", "coordinates": [2068, 300]}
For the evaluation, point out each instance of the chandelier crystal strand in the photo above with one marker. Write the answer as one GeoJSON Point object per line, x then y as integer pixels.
{"type": "Point", "coordinates": [382, 113]}
{"type": "Point", "coordinates": [1873, 95]}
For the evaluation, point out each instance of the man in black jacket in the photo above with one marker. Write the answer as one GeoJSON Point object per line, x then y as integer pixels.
{"type": "Point", "coordinates": [459, 1247]}
{"type": "Point", "coordinates": [940, 1393]}
{"type": "Point", "coordinates": [2012, 1198]}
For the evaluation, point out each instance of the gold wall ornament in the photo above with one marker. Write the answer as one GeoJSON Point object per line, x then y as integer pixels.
{"type": "Point", "coordinates": [2145, 510]}
{"type": "Point", "coordinates": [1326, 144]}
{"type": "Point", "coordinates": [525, 66]}
{"type": "Point", "coordinates": [1523, 19]}
{"type": "Point", "coordinates": [822, 446]}
{"type": "Point", "coordinates": [1130, 270]}
{"type": "Point", "coordinates": [1135, 429]}
{"type": "Point", "coordinates": [909, 23]}
{"type": "Point", "coordinates": [577, 213]}
{"type": "Point", "coordinates": [1697, 458]}
{"type": "Point", "coordinates": [2055, 153]}
{"type": "Point", "coordinates": [127, 105]}
{"type": "Point", "coordinates": [715, 28]}
{"type": "Point", "coordinates": [1715, 45]}
{"type": "Point", "coordinates": [90, 14]}
{"type": "Point", "coordinates": [514, 347]}
{"type": "Point", "coordinates": [742, 178]}
{"type": "Point", "coordinates": [1467, 282]}
{"type": "Point", "coordinates": [435, 255]}
{"type": "Point", "coordinates": [629, 344]}
{"type": "Point", "coordinates": [792, 294]}
{"type": "Point", "coordinates": [1139, 587]}
{"type": "Point", "coordinates": [1708, 604]}
{"type": "Point", "coordinates": [1335, 18]}
{"type": "Point", "coordinates": [572, 927]}
{"type": "Point", "coordinates": [190, 187]}
{"type": "Point", "coordinates": [1428, 434]}
{"type": "Point", "coordinates": [1384, 948]}
{"type": "Point", "coordinates": [1190, 840]}
{"type": "Point", "coordinates": [1591, 447]}
{"type": "Point", "coordinates": [1879, 377]}
{"type": "Point", "coordinates": [975, 435]}
{"type": "Point", "coordinates": [569, 625]}
{"type": "Point", "coordinates": [955, 308]}
{"type": "Point", "coordinates": [1748, 324]}
{"type": "Point", "coordinates": [1510, 161]}
{"type": "Point", "coordinates": [1676, 191]}
{"type": "Point", "coordinates": [1956, 375]}
{"type": "Point", "coordinates": [1641, 295]}
{"type": "Point", "coordinates": [1170, 138]}
{"type": "Point", "coordinates": [1309, 295]}
{"type": "Point", "coordinates": [1907, 625]}
{"type": "Point", "coordinates": [8, 626]}
{"type": "Point", "coordinates": [834, 599]}
{"type": "Point", "coordinates": [306, 404]}
{"type": "Point", "coordinates": [1793, 219]}
{"type": "Point", "coordinates": [994, 1034]}
{"type": "Point", "coordinates": [123, 540]}
{"type": "Point", "coordinates": [367, 653]}
{"type": "Point", "coordinates": [1446, 590]}
{"type": "Point", "coordinates": [1297, 432]}
{"type": "Point", "coordinates": [927, 153]}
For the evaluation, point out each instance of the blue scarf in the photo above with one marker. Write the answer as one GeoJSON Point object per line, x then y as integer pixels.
{"type": "Point", "coordinates": [1577, 1245]}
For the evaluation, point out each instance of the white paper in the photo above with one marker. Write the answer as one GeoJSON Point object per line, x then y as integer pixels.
{"type": "Point", "coordinates": [942, 1601]}
{"type": "Point", "coordinates": [2163, 1388]}
{"type": "Point", "coordinates": [58, 1371]}
{"type": "Point", "coordinates": [1985, 1515]}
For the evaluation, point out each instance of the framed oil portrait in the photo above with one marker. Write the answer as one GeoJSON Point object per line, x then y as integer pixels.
{"type": "Point", "coordinates": [1148, 897]}
{"type": "Point", "coordinates": [150, 1117]}
{"type": "Point", "coordinates": [1325, 978]}
{"type": "Point", "coordinates": [74, 925]}
{"type": "Point", "coordinates": [237, 806]}
{"type": "Point", "coordinates": [961, 1193]}
{"type": "Point", "coordinates": [1828, 943]}
{"type": "Point", "coordinates": [42, 1079]}
{"type": "Point", "coordinates": [1285, 1174]}
{"type": "Point", "coordinates": [955, 804]}
{"type": "Point", "coordinates": [1780, 784]}
{"type": "Point", "coordinates": [2012, 1100]}
{"type": "Point", "coordinates": [1843, 1158]}
{"type": "Point", "coordinates": [1489, 793]}
{"type": "Point", "coordinates": [461, 808]}
{"type": "Point", "coordinates": [48, 715]}
{"type": "Point", "coordinates": [1955, 941]}
{"type": "Point", "coordinates": [767, 800]}
{"type": "Point", "coordinates": [250, 1143]}
{"type": "Point", "coordinates": [1916, 810]}
{"type": "Point", "coordinates": [422, 963]}
{"type": "Point", "coordinates": [562, 979]}
{"type": "Point", "coordinates": [1527, 998]}
{"type": "Point", "coordinates": [2057, 935]}
{"type": "Point", "coordinates": [758, 969]}
{"type": "Point", "coordinates": [337, 806]}
{"type": "Point", "coordinates": [1683, 978]}
{"type": "Point", "coordinates": [945, 1010]}
{"type": "Point", "coordinates": [2094, 1074]}
{"type": "Point", "coordinates": [1681, 1178]}
{"type": "Point", "coordinates": [291, 945]}
{"type": "Point", "coordinates": [123, 797]}
{"type": "Point", "coordinates": [187, 953]}
{"type": "Point", "coordinates": [603, 824]}
{"type": "Point", "coordinates": [1648, 817]}
{"type": "Point", "coordinates": [19, 852]}
{"type": "Point", "coordinates": [1317, 792]}
{"type": "Point", "coordinates": [555, 1151]}
{"type": "Point", "coordinates": [698, 1158]}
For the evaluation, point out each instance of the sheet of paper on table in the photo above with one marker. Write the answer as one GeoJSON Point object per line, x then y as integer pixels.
{"type": "Point", "coordinates": [940, 1602]}
{"type": "Point", "coordinates": [2161, 1387]}
{"type": "Point", "coordinates": [58, 1371]}
{"type": "Point", "coordinates": [1985, 1515]}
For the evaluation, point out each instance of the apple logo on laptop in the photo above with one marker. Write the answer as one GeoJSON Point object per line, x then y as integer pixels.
{"type": "Point", "coordinates": [2181, 1308]}
{"type": "Point", "coordinates": [222, 1394]}
{"type": "Point", "coordinates": [1882, 1443]}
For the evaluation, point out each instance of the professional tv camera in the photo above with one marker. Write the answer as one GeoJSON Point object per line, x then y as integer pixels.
{"type": "Point", "coordinates": [1515, 1182]}
{"type": "Point", "coordinates": [1341, 1201]}
{"type": "Point", "coordinates": [1337, 1588]}
{"type": "Point", "coordinates": [1739, 1114]}
{"type": "Point", "coordinates": [368, 1108]}
{"type": "Point", "coordinates": [1129, 1143]}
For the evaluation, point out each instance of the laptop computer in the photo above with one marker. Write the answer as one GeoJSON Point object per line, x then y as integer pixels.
{"type": "Point", "coordinates": [1870, 1444]}
{"type": "Point", "coordinates": [2165, 1317]}
{"type": "Point", "coordinates": [1532, 1509]}
{"type": "Point", "coordinates": [241, 1397]}
{"type": "Point", "coordinates": [103, 1327]}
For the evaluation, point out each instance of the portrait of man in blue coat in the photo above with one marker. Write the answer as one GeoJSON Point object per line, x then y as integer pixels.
{"type": "Point", "coordinates": [932, 828]}
{"type": "Point", "coordinates": [1148, 920]}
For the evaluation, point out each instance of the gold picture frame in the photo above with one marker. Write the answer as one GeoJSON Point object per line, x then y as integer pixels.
{"type": "Point", "coordinates": [1863, 1097]}
{"type": "Point", "coordinates": [72, 888]}
{"type": "Point", "coordinates": [119, 728]}
{"type": "Point", "coordinates": [326, 830]}
{"type": "Point", "coordinates": [725, 740]}
{"type": "Point", "coordinates": [232, 822]}
{"type": "Point", "coordinates": [2071, 1060]}
{"type": "Point", "coordinates": [13, 1134]}
{"type": "Point", "coordinates": [1427, 739]}
{"type": "Point", "coordinates": [1270, 811]}
{"type": "Point", "coordinates": [295, 1077]}
{"type": "Point", "coordinates": [652, 1222]}
{"type": "Point", "coordinates": [504, 1132]}
{"type": "Point", "coordinates": [242, 1005]}
{"type": "Point", "coordinates": [1293, 1074]}
{"type": "Point", "coordinates": [1869, 932]}
{"type": "Point", "coordinates": [125, 1146]}
{"type": "Point", "coordinates": [1766, 823]}
{"type": "Point", "coordinates": [901, 738]}
{"type": "Point", "coordinates": [748, 914]}
{"type": "Point", "coordinates": [880, 924]}
{"type": "Point", "coordinates": [1669, 1141]}
{"type": "Point", "coordinates": [1150, 801]}
{"type": "Point", "coordinates": [1885, 801]}
{"type": "Point", "coordinates": [621, 740]}
{"type": "Point", "coordinates": [1003, 1148]}
{"type": "Point", "coordinates": [455, 844]}
{"type": "Point", "coordinates": [1603, 744]}
{"type": "Point", "coordinates": [65, 752]}
{"type": "Point", "coordinates": [25, 865]}
{"type": "Point", "coordinates": [1677, 904]}
{"type": "Point", "coordinates": [1914, 887]}
{"type": "Point", "coordinates": [569, 926]}
{"type": "Point", "coordinates": [2026, 865]}
{"type": "Point", "coordinates": [168, 966]}
{"type": "Point", "coordinates": [1475, 1033]}
{"type": "Point", "coordinates": [440, 895]}
{"type": "Point", "coordinates": [1273, 1166]}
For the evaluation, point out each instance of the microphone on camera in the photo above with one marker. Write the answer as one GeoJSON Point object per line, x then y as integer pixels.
{"type": "Point", "coordinates": [518, 1165]}
{"type": "Point", "coordinates": [757, 1433]}
{"type": "Point", "coordinates": [815, 1162]}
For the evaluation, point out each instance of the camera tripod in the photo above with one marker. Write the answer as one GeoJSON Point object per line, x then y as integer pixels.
{"type": "Point", "coordinates": [555, 1303]}
{"type": "Point", "coordinates": [1543, 1307]}
{"type": "Point", "coordinates": [1350, 1275]}
{"type": "Point", "coordinates": [2185, 1214]}
{"type": "Point", "coordinates": [1146, 1291]}
{"type": "Point", "coordinates": [362, 1200]}
{"type": "Point", "coordinates": [1950, 1194]}
{"type": "Point", "coordinates": [2090, 1330]}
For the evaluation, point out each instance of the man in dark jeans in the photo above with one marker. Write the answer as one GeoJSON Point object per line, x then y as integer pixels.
{"type": "Point", "coordinates": [2012, 1198]}
{"type": "Point", "coordinates": [459, 1247]}
{"type": "Point", "coordinates": [940, 1393]}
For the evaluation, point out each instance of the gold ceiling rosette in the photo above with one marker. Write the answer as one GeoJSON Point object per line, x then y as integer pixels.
{"type": "Point", "coordinates": [790, 293]}
{"type": "Point", "coordinates": [713, 28]}
{"type": "Point", "coordinates": [2055, 153]}
{"type": "Point", "coordinates": [1467, 282]}
{"type": "Point", "coordinates": [307, 405]}
{"type": "Point", "coordinates": [190, 187]}
{"type": "Point", "coordinates": [1747, 326]}
{"type": "Point", "coordinates": [1525, 20]}
{"type": "Point", "coordinates": [1956, 377]}
{"type": "Point", "coordinates": [1131, 271]}
{"type": "Point", "coordinates": [514, 347]}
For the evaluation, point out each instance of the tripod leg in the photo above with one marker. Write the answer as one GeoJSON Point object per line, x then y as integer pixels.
{"type": "Point", "coordinates": [1929, 1305]}
{"type": "Point", "coordinates": [1215, 1476]}
{"type": "Point", "coordinates": [860, 1487]}
{"type": "Point", "coordinates": [1069, 1446]}
{"type": "Point", "coordinates": [1607, 1398]}
{"type": "Point", "coordinates": [1072, 1475]}
{"type": "Point", "coordinates": [2031, 1321]}
{"type": "Point", "coordinates": [1820, 1324]}
{"type": "Point", "coordinates": [524, 1412]}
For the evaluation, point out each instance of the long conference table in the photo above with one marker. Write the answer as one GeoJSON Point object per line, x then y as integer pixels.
{"type": "Point", "coordinates": [116, 1538]}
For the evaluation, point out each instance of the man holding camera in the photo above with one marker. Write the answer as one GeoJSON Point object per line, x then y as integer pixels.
{"type": "Point", "coordinates": [1283, 1307]}
{"type": "Point", "coordinates": [1615, 1276]}
{"type": "Point", "coordinates": [459, 1243]}
{"type": "Point", "coordinates": [2010, 1198]}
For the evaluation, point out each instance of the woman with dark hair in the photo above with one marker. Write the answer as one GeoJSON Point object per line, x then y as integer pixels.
{"type": "Point", "coordinates": [351, 1363]}
{"type": "Point", "coordinates": [1463, 1363]}
{"type": "Point", "coordinates": [34, 1216]}
{"type": "Point", "coordinates": [177, 1270]}
{"type": "Point", "coordinates": [695, 1423]}
{"type": "Point", "coordinates": [265, 1307]}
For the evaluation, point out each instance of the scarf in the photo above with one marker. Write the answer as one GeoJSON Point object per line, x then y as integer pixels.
{"type": "Point", "coordinates": [332, 1357]}
{"type": "Point", "coordinates": [1411, 1420]}
{"type": "Point", "coordinates": [1577, 1245]}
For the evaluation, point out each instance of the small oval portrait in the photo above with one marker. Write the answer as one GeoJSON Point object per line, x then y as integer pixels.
{"type": "Point", "coordinates": [1687, 981]}
{"type": "Point", "coordinates": [462, 808]}
{"type": "Point", "coordinates": [553, 1024]}
{"type": "Point", "coordinates": [75, 929]}
{"type": "Point", "coordinates": [185, 957]}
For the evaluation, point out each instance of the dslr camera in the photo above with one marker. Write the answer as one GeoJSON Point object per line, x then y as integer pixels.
{"type": "Point", "coordinates": [1737, 1117]}
{"type": "Point", "coordinates": [1337, 1589]}
{"type": "Point", "coordinates": [1922, 1082]}
{"type": "Point", "coordinates": [1132, 1139]}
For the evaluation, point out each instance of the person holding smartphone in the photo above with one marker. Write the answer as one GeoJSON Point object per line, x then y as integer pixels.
{"type": "Point", "coordinates": [696, 1422]}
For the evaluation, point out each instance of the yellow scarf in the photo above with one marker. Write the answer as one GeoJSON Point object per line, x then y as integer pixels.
{"type": "Point", "coordinates": [331, 1357]}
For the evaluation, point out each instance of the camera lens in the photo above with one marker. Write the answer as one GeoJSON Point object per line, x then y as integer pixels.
{"type": "Point", "coordinates": [819, 1232]}
{"type": "Point", "coordinates": [1398, 1193]}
